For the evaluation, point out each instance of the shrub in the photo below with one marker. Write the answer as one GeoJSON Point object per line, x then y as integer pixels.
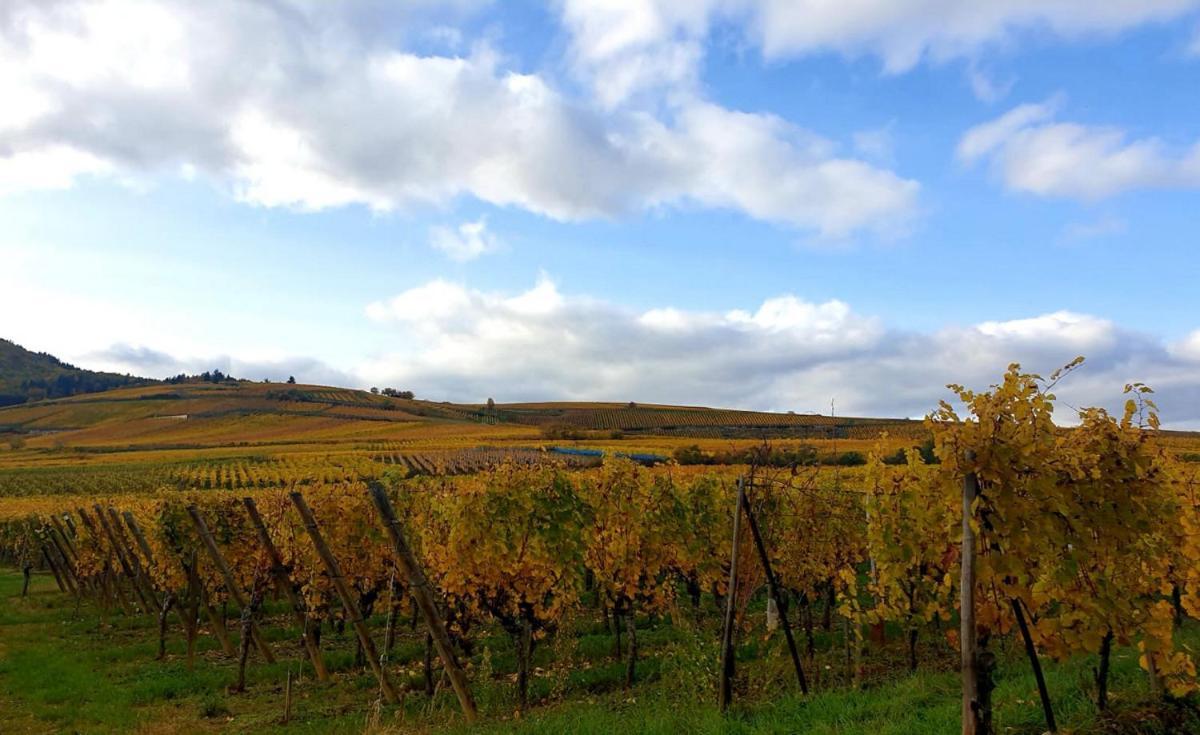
{"type": "Point", "coordinates": [844, 459]}
{"type": "Point", "coordinates": [561, 431]}
{"type": "Point", "coordinates": [691, 455]}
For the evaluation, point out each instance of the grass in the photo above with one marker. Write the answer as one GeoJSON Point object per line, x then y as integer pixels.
{"type": "Point", "coordinates": [67, 672]}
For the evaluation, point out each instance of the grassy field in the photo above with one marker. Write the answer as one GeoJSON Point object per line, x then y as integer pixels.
{"type": "Point", "coordinates": [67, 670]}
{"type": "Point", "coordinates": [64, 669]}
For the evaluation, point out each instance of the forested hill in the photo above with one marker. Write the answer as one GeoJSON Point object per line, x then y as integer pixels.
{"type": "Point", "coordinates": [32, 376]}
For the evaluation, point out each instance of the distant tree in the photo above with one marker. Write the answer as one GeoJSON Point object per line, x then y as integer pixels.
{"type": "Point", "coordinates": [491, 405]}
{"type": "Point", "coordinates": [631, 404]}
{"type": "Point", "coordinates": [374, 390]}
{"type": "Point", "coordinates": [407, 395]}
{"type": "Point", "coordinates": [291, 380]}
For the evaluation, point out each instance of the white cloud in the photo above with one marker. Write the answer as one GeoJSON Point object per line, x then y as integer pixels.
{"type": "Point", "coordinates": [785, 354]}
{"type": "Point", "coordinates": [311, 105]}
{"type": "Point", "coordinates": [985, 87]}
{"type": "Point", "coordinates": [454, 342]}
{"type": "Point", "coordinates": [625, 47]}
{"type": "Point", "coordinates": [1188, 348]}
{"type": "Point", "coordinates": [50, 167]}
{"type": "Point", "coordinates": [1031, 152]}
{"type": "Point", "coordinates": [143, 361]}
{"type": "Point", "coordinates": [902, 33]}
{"type": "Point", "coordinates": [466, 242]}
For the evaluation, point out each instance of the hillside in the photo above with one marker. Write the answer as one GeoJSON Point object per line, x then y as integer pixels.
{"type": "Point", "coordinates": [33, 376]}
{"type": "Point", "coordinates": [193, 415]}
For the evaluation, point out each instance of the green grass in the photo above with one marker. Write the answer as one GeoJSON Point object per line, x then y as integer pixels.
{"type": "Point", "coordinates": [67, 672]}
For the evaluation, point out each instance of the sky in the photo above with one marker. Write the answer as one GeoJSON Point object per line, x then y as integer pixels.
{"type": "Point", "coordinates": [782, 205]}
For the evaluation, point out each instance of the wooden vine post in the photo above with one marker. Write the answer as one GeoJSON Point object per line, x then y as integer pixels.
{"type": "Point", "coordinates": [120, 554]}
{"type": "Point", "coordinates": [343, 590]}
{"type": "Point", "coordinates": [188, 564]}
{"type": "Point", "coordinates": [725, 694]}
{"type": "Point", "coordinates": [136, 531]}
{"type": "Point", "coordinates": [422, 593]}
{"type": "Point", "coordinates": [1036, 665]}
{"type": "Point", "coordinates": [773, 587]}
{"type": "Point", "coordinates": [973, 720]}
{"type": "Point", "coordinates": [283, 583]}
{"type": "Point", "coordinates": [56, 552]}
{"type": "Point", "coordinates": [230, 581]}
{"type": "Point", "coordinates": [53, 569]}
{"type": "Point", "coordinates": [62, 530]}
{"type": "Point", "coordinates": [142, 573]}
{"type": "Point", "coordinates": [67, 547]}
{"type": "Point", "coordinates": [107, 575]}
{"type": "Point", "coordinates": [215, 619]}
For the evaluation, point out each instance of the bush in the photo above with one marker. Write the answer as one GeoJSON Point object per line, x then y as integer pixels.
{"type": "Point", "coordinates": [845, 459]}
{"type": "Point", "coordinates": [692, 455]}
{"type": "Point", "coordinates": [803, 455]}
{"type": "Point", "coordinates": [900, 456]}
{"type": "Point", "coordinates": [561, 431]}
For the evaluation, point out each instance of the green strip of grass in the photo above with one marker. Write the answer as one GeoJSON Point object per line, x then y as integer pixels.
{"type": "Point", "coordinates": [62, 672]}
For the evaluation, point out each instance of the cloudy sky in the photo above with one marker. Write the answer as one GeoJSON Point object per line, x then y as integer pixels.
{"type": "Point", "coordinates": [768, 204]}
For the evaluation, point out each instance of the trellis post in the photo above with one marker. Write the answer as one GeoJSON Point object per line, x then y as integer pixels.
{"type": "Point", "coordinates": [422, 593]}
{"type": "Point", "coordinates": [230, 581]}
{"type": "Point", "coordinates": [348, 601]}
{"type": "Point", "coordinates": [283, 583]}
{"type": "Point", "coordinates": [728, 665]}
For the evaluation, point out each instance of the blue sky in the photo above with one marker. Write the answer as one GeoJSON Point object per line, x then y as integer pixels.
{"type": "Point", "coordinates": [765, 205]}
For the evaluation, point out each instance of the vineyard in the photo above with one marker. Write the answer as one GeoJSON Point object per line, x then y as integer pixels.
{"type": "Point", "coordinates": [270, 471]}
{"type": "Point", "coordinates": [456, 585]}
{"type": "Point", "coordinates": [701, 421]}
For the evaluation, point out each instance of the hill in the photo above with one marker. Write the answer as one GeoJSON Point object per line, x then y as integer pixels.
{"type": "Point", "coordinates": [33, 376]}
{"type": "Point", "coordinates": [200, 414]}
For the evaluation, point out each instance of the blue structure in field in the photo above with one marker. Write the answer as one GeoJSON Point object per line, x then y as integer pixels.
{"type": "Point", "coordinates": [640, 458]}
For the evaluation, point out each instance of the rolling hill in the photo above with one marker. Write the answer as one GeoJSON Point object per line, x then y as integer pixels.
{"type": "Point", "coordinates": [196, 415]}
{"type": "Point", "coordinates": [114, 426]}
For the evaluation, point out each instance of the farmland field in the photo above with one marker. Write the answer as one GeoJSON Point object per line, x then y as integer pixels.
{"type": "Point", "coordinates": [601, 631]}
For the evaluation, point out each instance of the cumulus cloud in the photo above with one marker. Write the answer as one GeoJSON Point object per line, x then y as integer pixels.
{"type": "Point", "coordinates": [1188, 348]}
{"type": "Point", "coordinates": [466, 242]}
{"type": "Point", "coordinates": [785, 354]}
{"type": "Point", "coordinates": [311, 105]}
{"type": "Point", "coordinates": [629, 46]}
{"type": "Point", "coordinates": [1030, 151]}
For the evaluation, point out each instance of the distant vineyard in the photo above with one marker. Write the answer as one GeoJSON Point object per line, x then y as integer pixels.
{"type": "Point", "coordinates": [271, 472]}
{"type": "Point", "coordinates": [469, 461]}
{"type": "Point", "coordinates": [638, 418]}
